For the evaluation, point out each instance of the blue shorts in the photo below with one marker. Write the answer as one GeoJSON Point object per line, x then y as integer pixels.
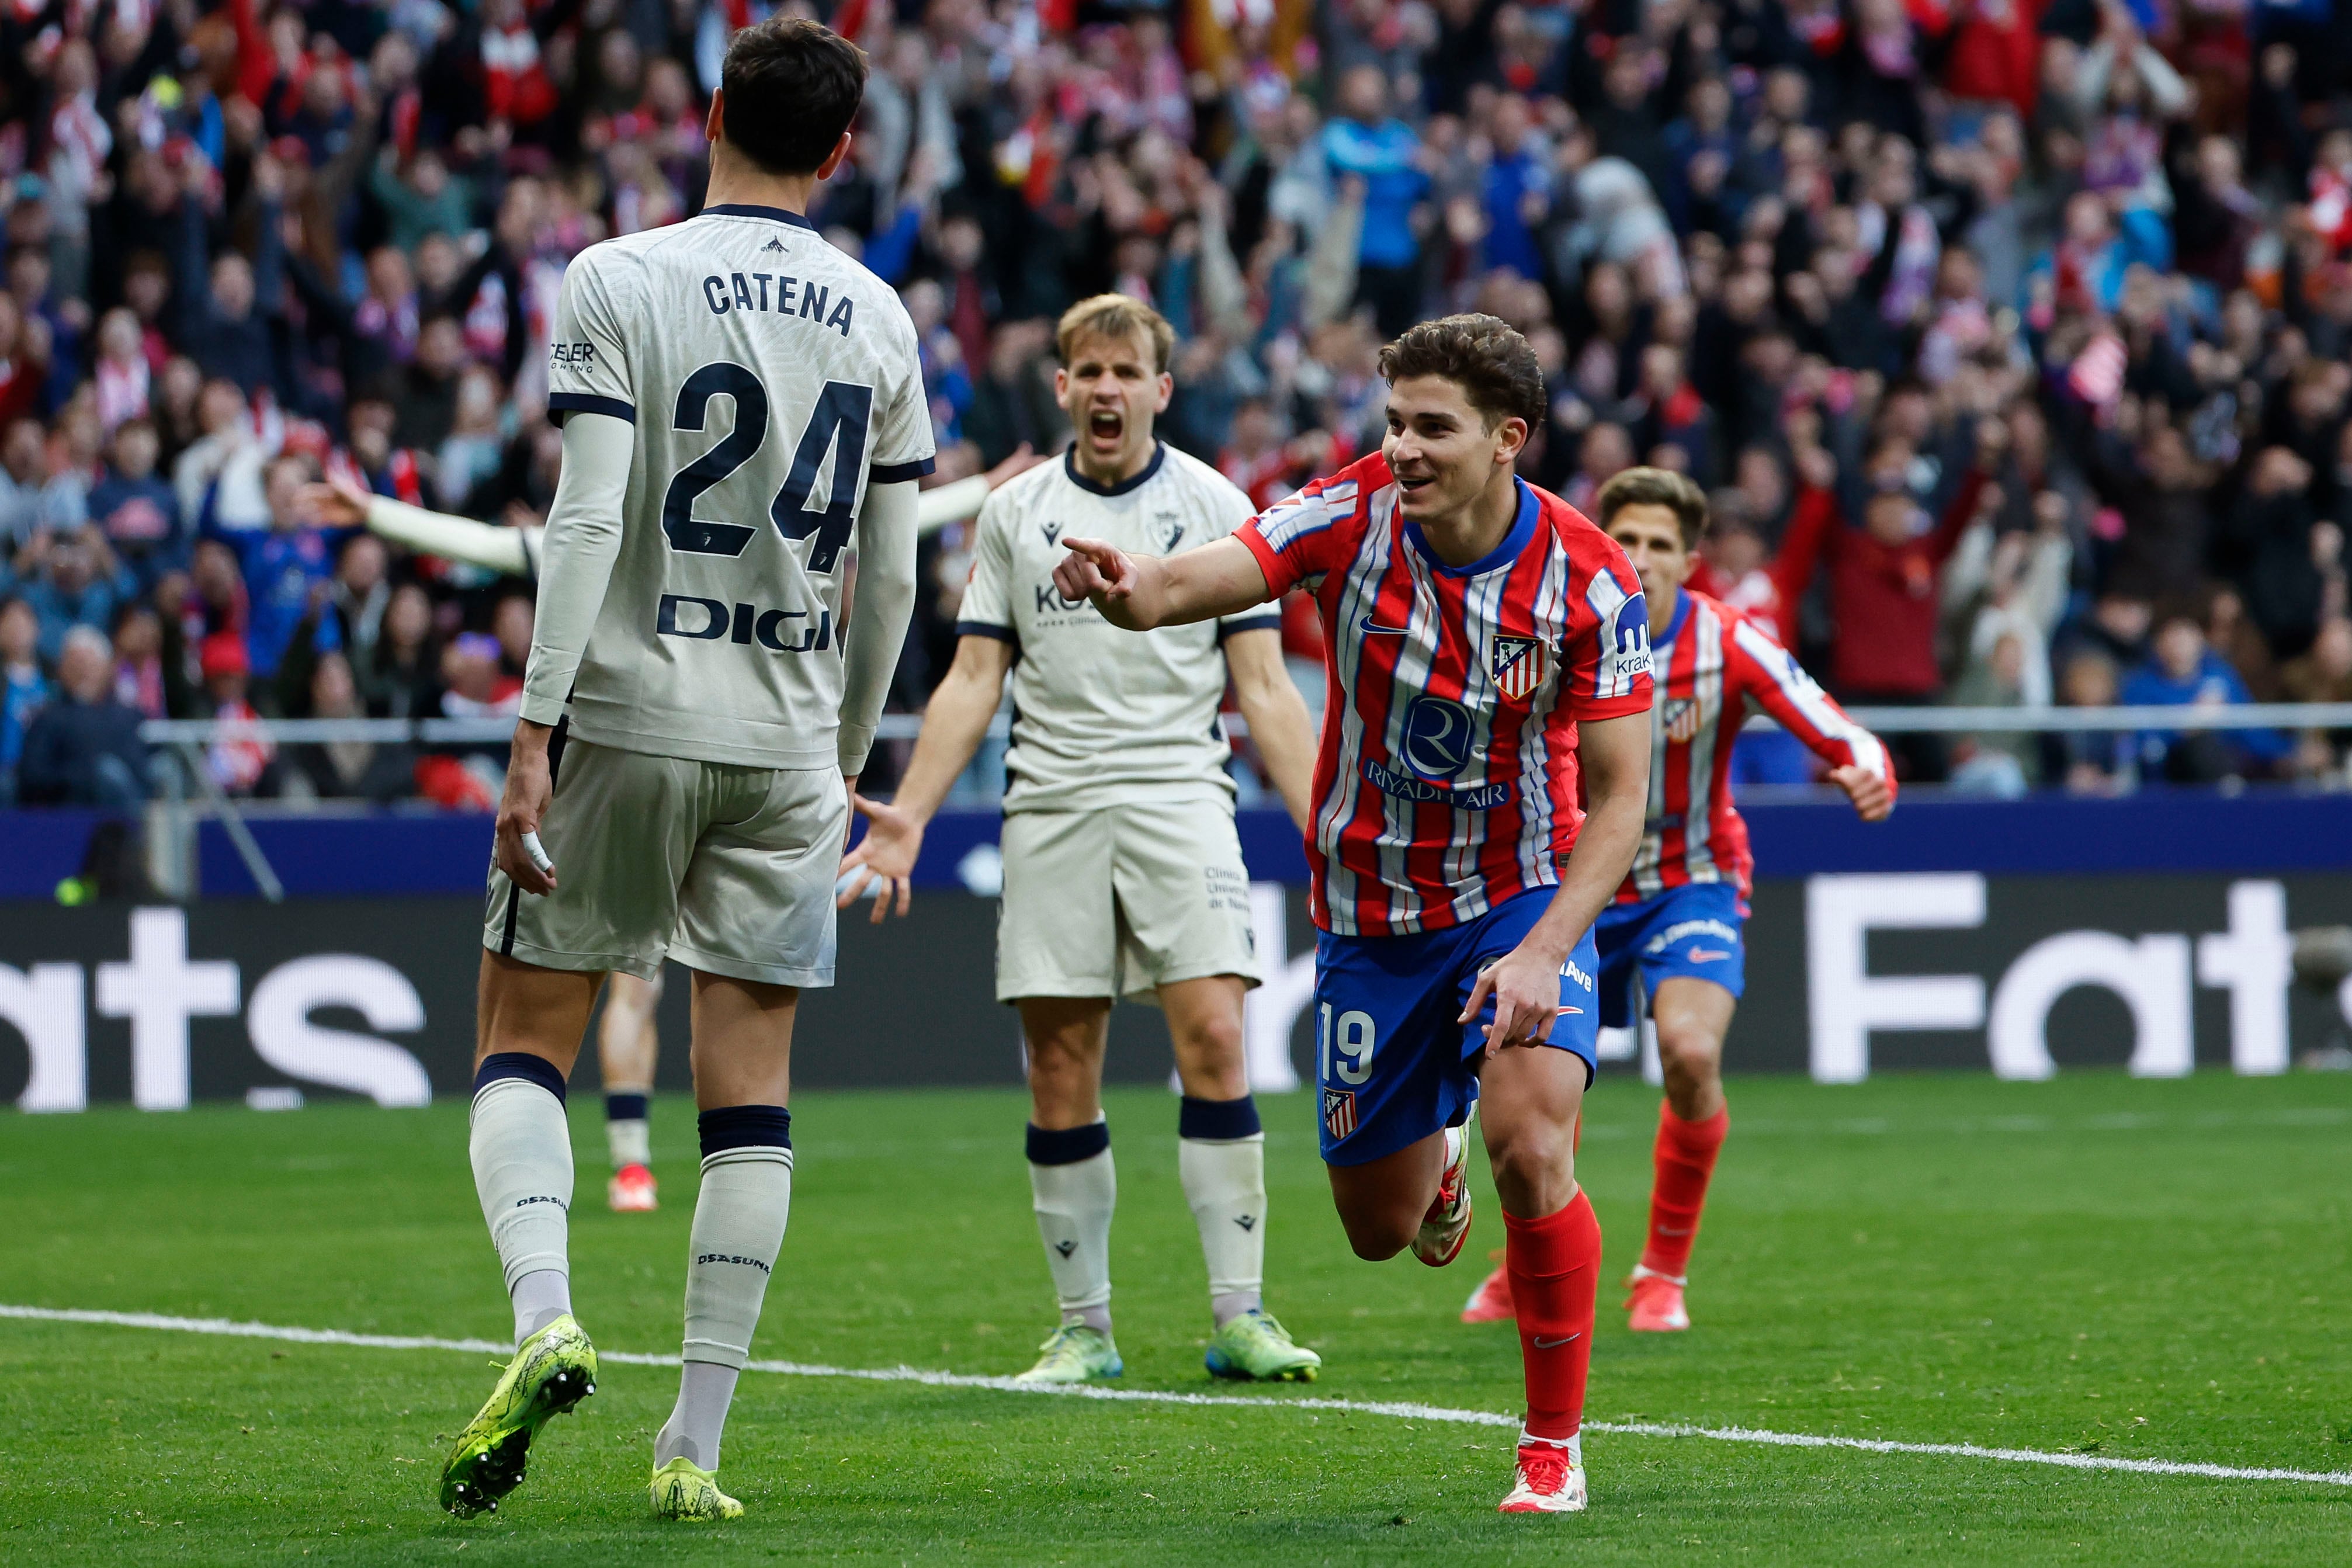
{"type": "Point", "coordinates": [1693, 929]}
{"type": "Point", "coordinates": [1390, 1062]}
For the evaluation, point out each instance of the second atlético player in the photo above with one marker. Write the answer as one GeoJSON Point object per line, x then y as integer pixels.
{"type": "Point", "coordinates": [1673, 932]}
{"type": "Point", "coordinates": [1488, 657]}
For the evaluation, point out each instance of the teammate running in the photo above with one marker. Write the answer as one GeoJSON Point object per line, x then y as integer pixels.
{"type": "Point", "coordinates": [739, 401]}
{"type": "Point", "coordinates": [1489, 662]}
{"type": "Point", "coordinates": [1123, 875]}
{"type": "Point", "coordinates": [1673, 937]}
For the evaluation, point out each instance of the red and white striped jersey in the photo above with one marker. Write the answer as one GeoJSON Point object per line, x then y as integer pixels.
{"type": "Point", "coordinates": [1711, 659]}
{"type": "Point", "coordinates": [1447, 780]}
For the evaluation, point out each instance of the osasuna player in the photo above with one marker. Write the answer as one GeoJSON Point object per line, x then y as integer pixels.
{"type": "Point", "coordinates": [1673, 934]}
{"type": "Point", "coordinates": [629, 1045]}
{"type": "Point", "coordinates": [742, 403]}
{"type": "Point", "coordinates": [1122, 873]}
{"type": "Point", "coordinates": [1489, 663]}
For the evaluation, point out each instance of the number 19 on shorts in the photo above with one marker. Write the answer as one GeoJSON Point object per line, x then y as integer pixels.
{"type": "Point", "coordinates": [1343, 1052]}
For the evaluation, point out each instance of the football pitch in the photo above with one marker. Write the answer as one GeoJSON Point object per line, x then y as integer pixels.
{"type": "Point", "coordinates": [2104, 1270]}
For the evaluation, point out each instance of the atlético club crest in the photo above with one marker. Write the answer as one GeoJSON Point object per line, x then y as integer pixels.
{"type": "Point", "coordinates": [1520, 665]}
{"type": "Point", "coordinates": [1681, 717]}
{"type": "Point", "coordinates": [1338, 1112]}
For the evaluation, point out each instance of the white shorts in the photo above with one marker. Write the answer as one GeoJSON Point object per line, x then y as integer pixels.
{"type": "Point", "coordinates": [726, 869]}
{"type": "Point", "coordinates": [1121, 901]}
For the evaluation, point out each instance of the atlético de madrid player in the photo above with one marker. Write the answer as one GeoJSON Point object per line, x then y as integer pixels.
{"type": "Point", "coordinates": [1673, 937]}
{"type": "Point", "coordinates": [1489, 654]}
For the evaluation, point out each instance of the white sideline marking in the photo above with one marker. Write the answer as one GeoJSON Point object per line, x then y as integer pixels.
{"type": "Point", "coordinates": [231, 1329]}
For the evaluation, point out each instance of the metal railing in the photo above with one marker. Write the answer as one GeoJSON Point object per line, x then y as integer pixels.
{"type": "Point", "coordinates": [189, 737]}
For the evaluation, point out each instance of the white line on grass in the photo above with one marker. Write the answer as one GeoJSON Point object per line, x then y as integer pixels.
{"type": "Point", "coordinates": [1401, 1410]}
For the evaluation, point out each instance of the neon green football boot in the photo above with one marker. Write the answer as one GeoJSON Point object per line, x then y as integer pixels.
{"type": "Point", "coordinates": [684, 1489]}
{"type": "Point", "coordinates": [1075, 1354]}
{"type": "Point", "coordinates": [554, 1369]}
{"type": "Point", "coordinates": [1255, 1348]}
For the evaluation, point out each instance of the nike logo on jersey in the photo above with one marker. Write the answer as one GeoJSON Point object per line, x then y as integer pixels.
{"type": "Point", "coordinates": [1544, 1344]}
{"type": "Point", "coordinates": [1065, 1248]}
{"type": "Point", "coordinates": [1705, 954]}
{"type": "Point", "coordinates": [1564, 1012]}
{"type": "Point", "coordinates": [1367, 627]}
{"type": "Point", "coordinates": [1246, 1220]}
{"type": "Point", "coordinates": [1669, 1230]}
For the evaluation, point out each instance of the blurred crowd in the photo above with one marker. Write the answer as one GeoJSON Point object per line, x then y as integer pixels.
{"type": "Point", "coordinates": [2012, 339]}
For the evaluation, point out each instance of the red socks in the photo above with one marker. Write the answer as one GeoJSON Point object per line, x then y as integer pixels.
{"type": "Point", "coordinates": [1684, 1159]}
{"type": "Point", "coordinates": [1555, 1269]}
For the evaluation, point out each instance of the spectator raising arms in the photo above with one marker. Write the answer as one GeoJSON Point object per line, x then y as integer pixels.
{"type": "Point", "coordinates": [1876, 275]}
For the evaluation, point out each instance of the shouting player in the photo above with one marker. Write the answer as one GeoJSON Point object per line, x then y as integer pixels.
{"type": "Point", "coordinates": [1489, 667]}
{"type": "Point", "coordinates": [1122, 872]}
{"type": "Point", "coordinates": [1673, 934]}
{"type": "Point", "coordinates": [693, 797]}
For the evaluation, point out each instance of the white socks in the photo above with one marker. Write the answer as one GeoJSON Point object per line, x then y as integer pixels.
{"type": "Point", "coordinates": [1221, 1155]}
{"type": "Point", "coordinates": [627, 1134]}
{"type": "Point", "coordinates": [739, 1229]}
{"type": "Point", "coordinates": [1073, 1189]}
{"type": "Point", "coordinates": [522, 1150]}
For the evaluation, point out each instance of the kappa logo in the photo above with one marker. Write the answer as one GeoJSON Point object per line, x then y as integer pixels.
{"type": "Point", "coordinates": [1053, 531]}
{"type": "Point", "coordinates": [1520, 666]}
{"type": "Point", "coordinates": [1171, 530]}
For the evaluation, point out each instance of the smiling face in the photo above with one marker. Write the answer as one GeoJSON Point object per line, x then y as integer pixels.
{"type": "Point", "coordinates": [1112, 389]}
{"type": "Point", "coordinates": [1445, 453]}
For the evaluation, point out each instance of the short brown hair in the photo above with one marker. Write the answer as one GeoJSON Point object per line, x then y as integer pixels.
{"type": "Point", "coordinates": [793, 86]}
{"type": "Point", "coordinates": [1656, 487]}
{"type": "Point", "coordinates": [1484, 355]}
{"type": "Point", "coordinates": [1116, 316]}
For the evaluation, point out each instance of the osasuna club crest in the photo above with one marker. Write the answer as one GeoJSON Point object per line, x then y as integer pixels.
{"type": "Point", "coordinates": [1520, 665]}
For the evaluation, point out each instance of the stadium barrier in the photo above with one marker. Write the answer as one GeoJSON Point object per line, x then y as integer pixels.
{"type": "Point", "coordinates": [2022, 937]}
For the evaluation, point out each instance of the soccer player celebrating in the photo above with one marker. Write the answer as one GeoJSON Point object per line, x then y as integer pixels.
{"type": "Point", "coordinates": [1122, 872]}
{"type": "Point", "coordinates": [1489, 667]}
{"type": "Point", "coordinates": [693, 798]}
{"type": "Point", "coordinates": [1674, 931]}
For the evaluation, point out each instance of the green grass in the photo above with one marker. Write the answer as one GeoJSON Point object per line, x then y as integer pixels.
{"type": "Point", "coordinates": [2154, 1269]}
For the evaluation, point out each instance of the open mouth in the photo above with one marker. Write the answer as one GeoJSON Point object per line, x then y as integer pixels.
{"type": "Point", "coordinates": [1416, 484]}
{"type": "Point", "coordinates": [1105, 426]}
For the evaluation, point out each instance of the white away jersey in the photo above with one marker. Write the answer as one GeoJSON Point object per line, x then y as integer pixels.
{"type": "Point", "coordinates": [1102, 717]}
{"type": "Point", "coordinates": [771, 378]}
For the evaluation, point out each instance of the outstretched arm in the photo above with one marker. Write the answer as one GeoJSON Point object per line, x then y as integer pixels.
{"type": "Point", "coordinates": [1857, 759]}
{"type": "Point", "coordinates": [1137, 593]}
{"type": "Point", "coordinates": [339, 503]}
